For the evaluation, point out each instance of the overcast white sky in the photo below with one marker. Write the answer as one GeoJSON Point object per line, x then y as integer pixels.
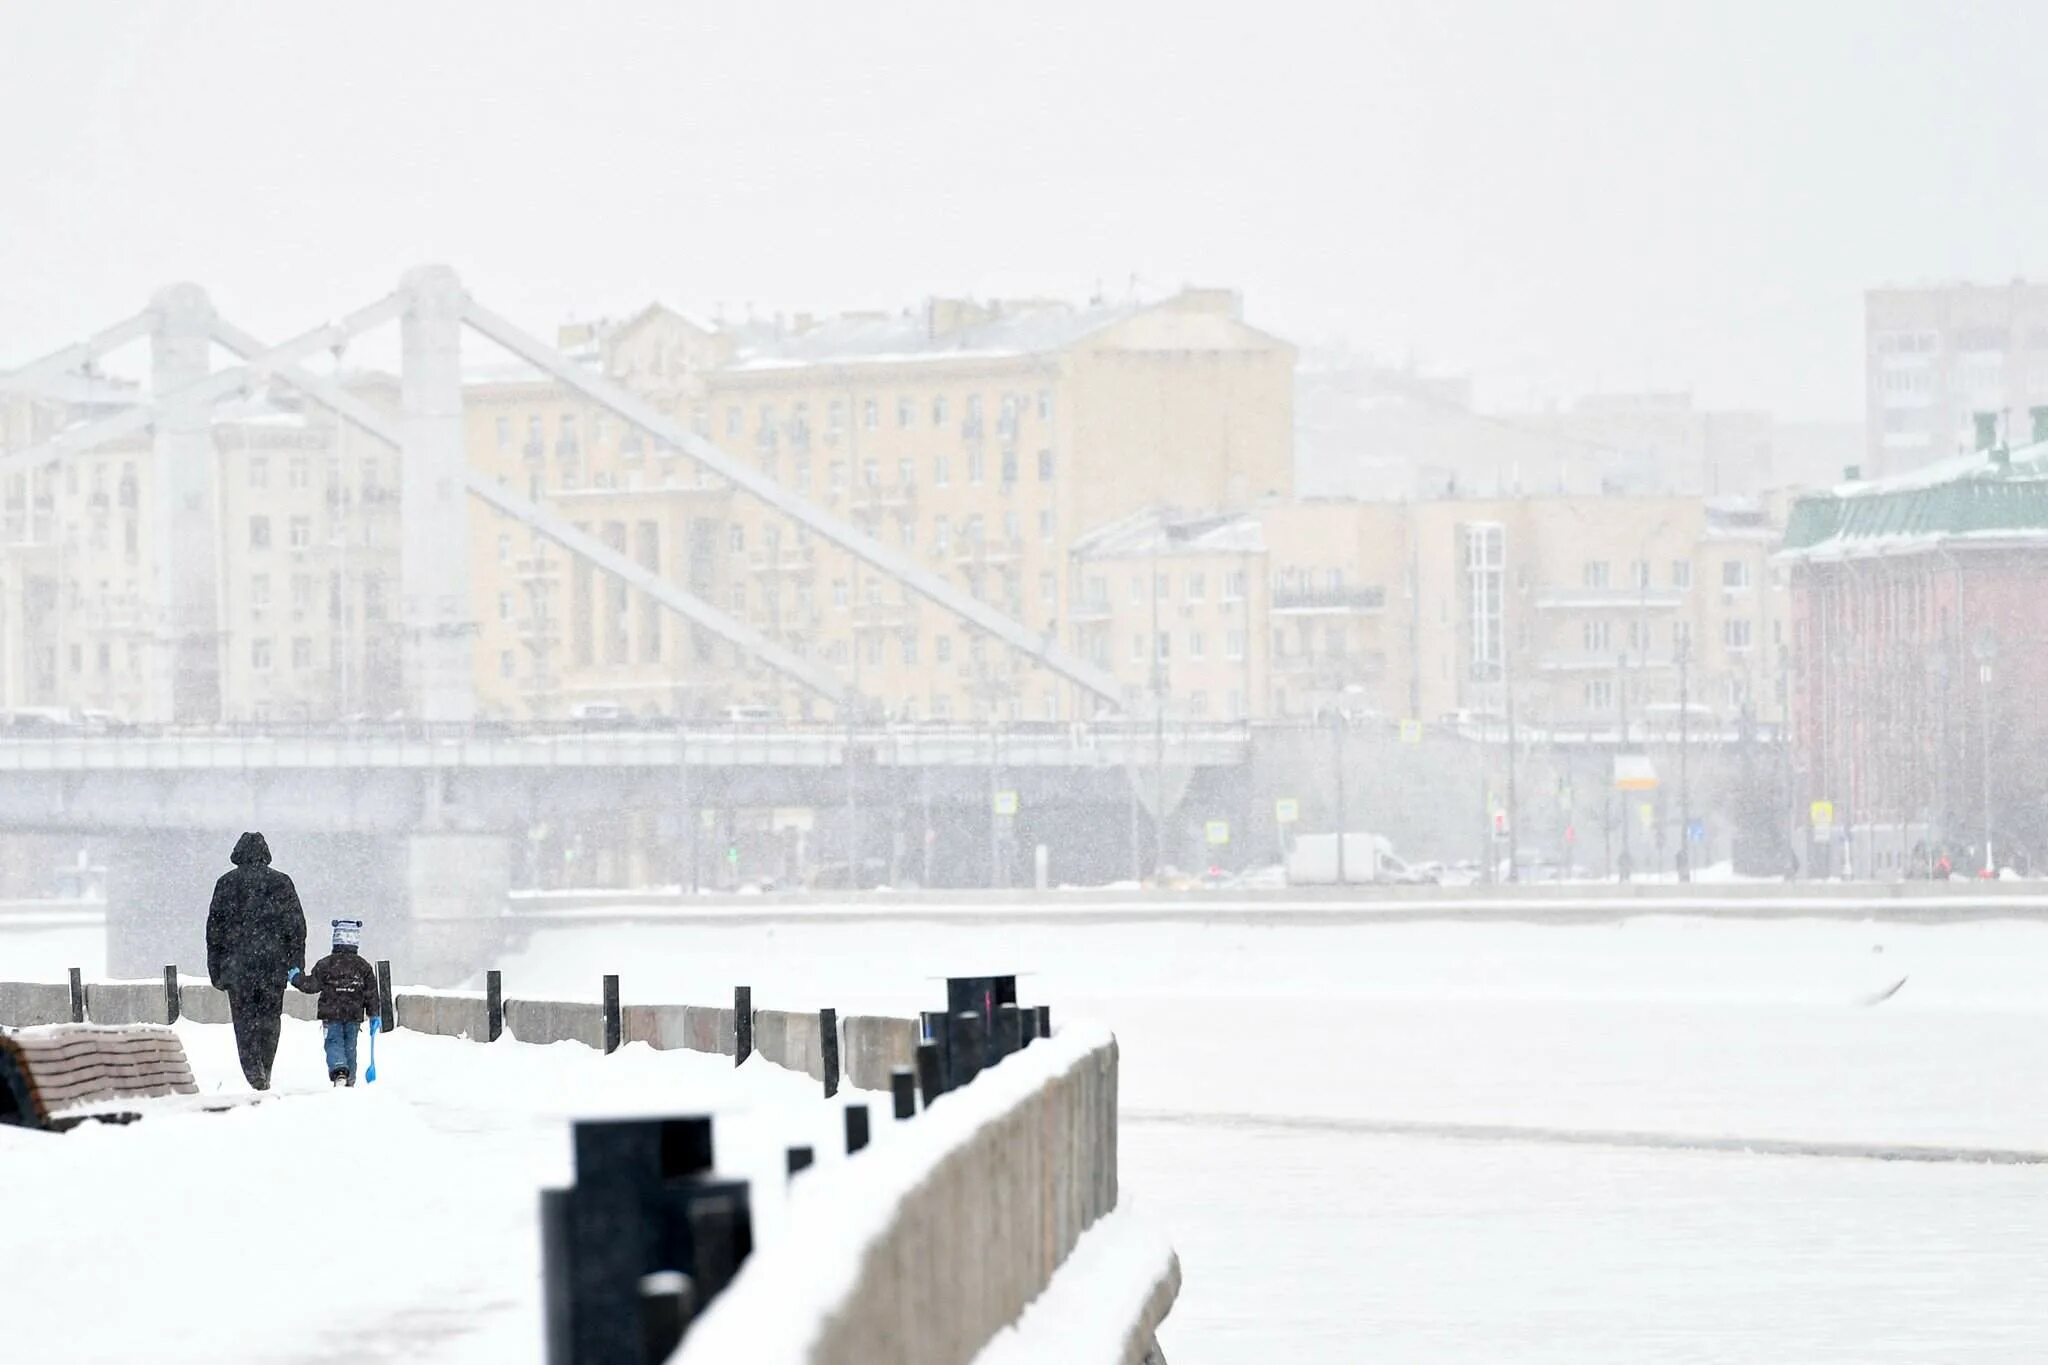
{"type": "Point", "coordinates": [1558, 198]}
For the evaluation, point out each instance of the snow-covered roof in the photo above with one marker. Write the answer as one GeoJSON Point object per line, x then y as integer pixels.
{"type": "Point", "coordinates": [1980, 498]}
{"type": "Point", "coordinates": [867, 338]}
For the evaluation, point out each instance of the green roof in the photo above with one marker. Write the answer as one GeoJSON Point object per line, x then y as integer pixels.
{"type": "Point", "coordinates": [1972, 498]}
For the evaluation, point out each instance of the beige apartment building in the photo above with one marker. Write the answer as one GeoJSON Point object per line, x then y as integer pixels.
{"type": "Point", "coordinates": [1431, 610]}
{"type": "Point", "coordinates": [984, 439]}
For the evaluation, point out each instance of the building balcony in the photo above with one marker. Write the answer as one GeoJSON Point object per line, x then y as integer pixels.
{"type": "Point", "coordinates": [786, 561]}
{"type": "Point", "coordinates": [1610, 599]}
{"type": "Point", "coordinates": [1579, 661]}
{"type": "Point", "coordinates": [539, 628]}
{"type": "Point", "coordinates": [1090, 613]}
{"type": "Point", "coordinates": [537, 567]}
{"type": "Point", "coordinates": [535, 449]}
{"type": "Point", "coordinates": [884, 615]}
{"type": "Point", "coordinates": [871, 498]}
{"type": "Point", "coordinates": [1355, 601]}
{"type": "Point", "coordinates": [989, 552]}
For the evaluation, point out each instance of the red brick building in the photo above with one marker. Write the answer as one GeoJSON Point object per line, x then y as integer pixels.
{"type": "Point", "coordinates": [1920, 652]}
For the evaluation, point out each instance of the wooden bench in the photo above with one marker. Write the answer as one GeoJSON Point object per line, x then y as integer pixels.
{"type": "Point", "coordinates": [45, 1073]}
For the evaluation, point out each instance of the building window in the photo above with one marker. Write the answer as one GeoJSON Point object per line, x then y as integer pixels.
{"type": "Point", "coordinates": [1735, 634]}
{"type": "Point", "coordinates": [259, 591]}
{"type": "Point", "coordinates": [739, 597]}
{"type": "Point", "coordinates": [1681, 636]}
{"type": "Point", "coordinates": [505, 663]}
{"type": "Point", "coordinates": [1596, 637]}
{"type": "Point", "coordinates": [839, 597]}
{"type": "Point", "coordinates": [504, 606]}
{"type": "Point", "coordinates": [504, 547]}
{"type": "Point", "coordinates": [1045, 525]}
{"type": "Point", "coordinates": [939, 410]}
{"type": "Point", "coordinates": [1599, 695]}
{"type": "Point", "coordinates": [1137, 590]}
{"type": "Point", "coordinates": [1593, 573]}
{"type": "Point", "coordinates": [1045, 466]}
{"type": "Point", "coordinates": [1639, 573]}
{"type": "Point", "coordinates": [942, 649]}
{"type": "Point", "coordinates": [1485, 585]}
{"type": "Point", "coordinates": [906, 412]}
{"type": "Point", "coordinates": [1234, 585]}
{"type": "Point", "coordinates": [1233, 645]}
{"type": "Point", "coordinates": [976, 467]}
{"type": "Point", "coordinates": [909, 647]}
{"type": "Point", "coordinates": [1198, 587]}
{"type": "Point", "coordinates": [1049, 589]}
{"type": "Point", "coordinates": [298, 471]}
{"type": "Point", "coordinates": [504, 433]}
{"type": "Point", "coordinates": [735, 423]}
{"type": "Point", "coordinates": [870, 414]}
{"type": "Point", "coordinates": [259, 471]}
{"type": "Point", "coordinates": [1196, 645]}
{"type": "Point", "coordinates": [259, 533]}
{"type": "Point", "coordinates": [906, 472]}
{"type": "Point", "coordinates": [1009, 467]}
{"type": "Point", "coordinates": [302, 592]}
{"type": "Point", "coordinates": [1045, 405]}
{"type": "Point", "coordinates": [1137, 649]}
{"type": "Point", "coordinates": [301, 532]}
{"type": "Point", "coordinates": [302, 652]}
{"type": "Point", "coordinates": [737, 537]}
{"type": "Point", "coordinates": [942, 472]}
{"type": "Point", "coordinates": [259, 655]}
{"type": "Point", "coordinates": [1681, 574]}
{"type": "Point", "coordinates": [1734, 574]}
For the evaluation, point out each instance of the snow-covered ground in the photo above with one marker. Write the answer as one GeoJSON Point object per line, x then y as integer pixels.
{"type": "Point", "coordinates": [396, 1222]}
{"type": "Point", "coordinates": [1263, 1067]}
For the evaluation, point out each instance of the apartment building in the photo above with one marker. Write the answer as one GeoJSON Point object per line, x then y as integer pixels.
{"type": "Point", "coordinates": [1936, 355]}
{"type": "Point", "coordinates": [983, 439]}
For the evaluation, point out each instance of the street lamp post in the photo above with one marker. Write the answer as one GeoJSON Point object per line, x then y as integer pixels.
{"type": "Point", "coordinates": [1987, 654]}
{"type": "Point", "coordinates": [1337, 728]}
{"type": "Point", "coordinates": [1684, 752]}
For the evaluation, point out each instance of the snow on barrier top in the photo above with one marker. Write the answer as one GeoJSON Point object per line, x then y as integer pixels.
{"type": "Point", "coordinates": [931, 1243]}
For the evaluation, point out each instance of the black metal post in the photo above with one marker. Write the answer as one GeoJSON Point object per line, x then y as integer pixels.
{"type": "Point", "coordinates": [938, 1027]}
{"type": "Point", "coordinates": [665, 1310]}
{"type": "Point", "coordinates": [742, 1023]}
{"type": "Point", "coordinates": [77, 996]}
{"type": "Point", "coordinates": [1009, 1029]}
{"type": "Point", "coordinates": [171, 1000]}
{"type": "Point", "coordinates": [494, 1002]}
{"type": "Point", "coordinates": [931, 1076]}
{"type": "Point", "coordinates": [799, 1158]}
{"type": "Point", "coordinates": [1028, 1023]}
{"type": "Point", "coordinates": [1045, 1021]}
{"type": "Point", "coordinates": [856, 1126]}
{"type": "Point", "coordinates": [612, 1031]}
{"type": "Point", "coordinates": [970, 1049]}
{"type": "Point", "coordinates": [828, 1049]}
{"type": "Point", "coordinates": [387, 1005]}
{"type": "Point", "coordinates": [903, 1091]}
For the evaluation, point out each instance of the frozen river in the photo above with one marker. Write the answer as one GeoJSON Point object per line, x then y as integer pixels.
{"type": "Point", "coordinates": [1264, 1067]}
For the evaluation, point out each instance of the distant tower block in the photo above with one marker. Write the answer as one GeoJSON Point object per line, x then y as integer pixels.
{"type": "Point", "coordinates": [184, 677]}
{"type": "Point", "coordinates": [434, 552]}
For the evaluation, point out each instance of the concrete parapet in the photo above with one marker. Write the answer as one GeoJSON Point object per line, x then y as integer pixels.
{"type": "Point", "coordinates": [451, 1016]}
{"type": "Point", "coordinates": [125, 1002]}
{"type": "Point", "coordinates": [299, 1005]}
{"type": "Point", "coordinates": [791, 1040]}
{"type": "Point", "coordinates": [29, 1004]}
{"type": "Point", "coordinates": [202, 1003]}
{"type": "Point", "coordinates": [873, 1045]}
{"type": "Point", "coordinates": [937, 1239]}
{"type": "Point", "coordinates": [658, 1026]}
{"type": "Point", "coordinates": [707, 1028]}
{"type": "Point", "coordinates": [555, 1021]}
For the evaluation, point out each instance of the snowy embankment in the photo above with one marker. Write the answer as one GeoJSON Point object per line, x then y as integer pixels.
{"type": "Point", "coordinates": [394, 1222]}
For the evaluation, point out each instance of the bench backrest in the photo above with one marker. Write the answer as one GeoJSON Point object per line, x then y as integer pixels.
{"type": "Point", "coordinates": [44, 1071]}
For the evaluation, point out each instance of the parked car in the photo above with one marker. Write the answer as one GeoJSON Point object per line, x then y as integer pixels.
{"type": "Point", "coordinates": [600, 715]}
{"type": "Point", "coordinates": [747, 713]}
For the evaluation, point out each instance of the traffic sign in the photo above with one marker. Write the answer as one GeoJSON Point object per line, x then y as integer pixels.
{"type": "Point", "coordinates": [1006, 803]}
{"type": "Point", "coordinates": [1286, 810]}
{"type": "Point", "coordinates": [1697, 831]}
{"type": "Point", "coordinates": [1411, 732]}
{"type": "Point", "coordinates": [1500, 824]}
{"type": "Point", "coordinates": [1648, 812]}
{"type": "Point", "coordinates": [1217, 831]}
{"type": "Point", "coordinates": [1571, 834]}
{"type": "Point", "coordinates": [1823, 814]}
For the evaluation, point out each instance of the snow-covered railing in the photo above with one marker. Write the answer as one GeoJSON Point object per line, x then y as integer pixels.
{"type": "Point", "coordinates": [929, 1245]}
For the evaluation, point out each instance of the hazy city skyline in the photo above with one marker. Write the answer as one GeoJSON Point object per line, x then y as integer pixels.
{"type": "Point", "coordinates": [1594, 197]}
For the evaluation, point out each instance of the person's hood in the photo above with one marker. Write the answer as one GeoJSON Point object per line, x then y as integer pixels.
{"type": "Point", "coordinates": [250, 848]}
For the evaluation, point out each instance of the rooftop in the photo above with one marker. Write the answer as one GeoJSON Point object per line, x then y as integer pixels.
{"type": "Point", "coordinates": [1169, 530]}
{"type": "Point", "coordinates": [1980, 497]}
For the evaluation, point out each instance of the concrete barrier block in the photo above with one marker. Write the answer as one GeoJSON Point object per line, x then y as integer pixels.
{"type": "Point", "coordinates": [416, 1011]}
{"type": "Point", "coordinates": [555, 1021]}
{"type": "Point", "coordinates": [708, 1029]}
{"type": "Point", "coordinates": [202, 1004]}
{"type": "Point", "coordinates": [660, 1026]}
{"type": "Point", "coordinates": [125, 1002]}
{"type": "Point", "coordinates": [29, 1004]}
{"type": "Point", "coordinates": [300, 1005]}
{"type": "Point", "coordinates": [459, 1016]}
{"type": "Point", "coordinates": [871, 1046]}
{"type": "Point", "coordinates": [790, 1040]}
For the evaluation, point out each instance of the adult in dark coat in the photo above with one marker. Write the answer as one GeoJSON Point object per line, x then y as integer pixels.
{"type": "Point", "coordinates": [255, 936]}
